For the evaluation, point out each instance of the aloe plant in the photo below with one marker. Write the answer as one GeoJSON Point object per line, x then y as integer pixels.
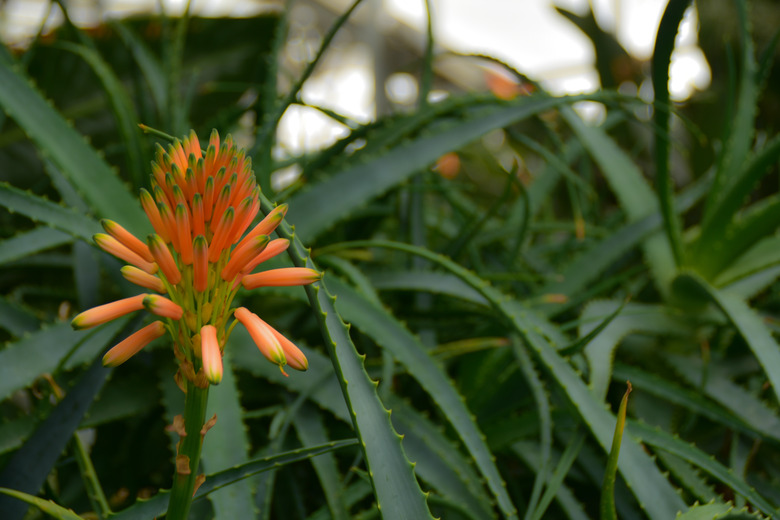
{"type": "Point", "coordinates": [468, 345]}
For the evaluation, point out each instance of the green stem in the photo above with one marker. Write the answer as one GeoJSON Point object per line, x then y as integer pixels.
{"type": "Point", "coordinates": [94, 491]}
{"type": "Point", "coordinates": [184, 484]}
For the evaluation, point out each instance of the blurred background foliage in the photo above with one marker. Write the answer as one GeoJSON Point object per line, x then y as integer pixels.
{"type": "Point", "coordinates": [506, 265]}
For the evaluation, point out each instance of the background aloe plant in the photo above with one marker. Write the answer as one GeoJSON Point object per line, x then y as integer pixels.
{"type": "Point", "coordinates": [498, 313]}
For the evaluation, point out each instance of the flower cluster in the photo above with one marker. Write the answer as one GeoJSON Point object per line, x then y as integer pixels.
{"type": "Point", "coordinates": [200, 255]}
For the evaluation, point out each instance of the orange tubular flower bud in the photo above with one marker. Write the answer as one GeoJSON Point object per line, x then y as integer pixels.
{"type": "Point", "coordinates": [185, 234]}
{"type": "Point", "coordinates": [208, 199]}
{"type": "Point", "coordinates": [219, 241]}
{"type": "Point", "coordinates": [150, 208]}
{"type": "Point", "coordinates": [220, 207]}
{"type": "Point", "coordinates": [267, 225]}
{"type": "Point", "coordinates": [274, 247]}
{"type": "Point", "coordinates": [162, 306]}
{"type": "Point", "coordinates": [242, 219]}
{"type": "Point", "coordinates": [114, 247]}
{"type": "Point", "coordinates": [295, 358]}
{"type": "Point", "coordinates": [198, 218]}
{"type": "Point", "coordinates": [110, 311]}
{"type": "Point", "coordinates": [200, 263]}
{"type": "Point", "coordinates": [263, 336]}
{"type": "Point", "coordinates": [164, 259]}
{"type": "Point", "coordinates": [240, 258]}
{"type": "Point", "coordinates": [281, 277]}
{"type": "Point", "coordinates": [143, 279]}
{"type": "Point", "coordinates": [133, 344]}
{"type": "Point", "coordinates": [170, 224]}
{"type": "Point", "coordinates": [127, 239]}
{"type": "Point", "coordinates": [212, 357]}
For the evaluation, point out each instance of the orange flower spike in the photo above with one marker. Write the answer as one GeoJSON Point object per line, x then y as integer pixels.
{"type": "Point", "coordinates": [143, 279]}
{"type": "Point", "coordinates": [212, 357]}
{"type": "Point", "coordinates": [127, 239]}
{"type": "Point", "coordinates": [114, 247]}
{"type": "Point", "coordinates": [200, 263]}
{"type": "Point", "coordinates": [164, 259]}
{"type": "Point", "coordinates": [151, 210]}
{"type": "Point", "coordinates": [185, 234]}
{"type": "Point", "coordinates": [162, 306]}
{"type": "Point", "coordinates": [274, 248]}
{"type": "Point", "coordinates": [267, 225]}
{"type": "Point", "coordinates": [284, 277]}
{"type": "Point", "coordinates": [239, 260]}
{"type": "Point", "coordinates": [198, 219]}
{"type": "Point", "coordinates": [262, 336]}
{"type": "Point", "coordinates": [105, 313]}
{"type": "Point", "coordinates": [133, 344]}
{"type": "Point", "coordinates": [219, 241]}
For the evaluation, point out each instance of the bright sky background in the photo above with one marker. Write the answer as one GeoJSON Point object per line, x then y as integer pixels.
{"type": "Point", "coordinates": [527, 34]}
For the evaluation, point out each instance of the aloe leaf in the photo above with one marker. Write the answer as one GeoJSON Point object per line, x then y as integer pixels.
{"type": "Point", "coordinates": [568, 457]}
{"type": "Point", "coordinates": [31, 242]}
{"type": "Point", "coordinates": [16, 319]}
{"type": "Point", "coordinates": [636, 317]}
{"type": "Point", "coordinates": [429, 281]}
{"type": "Point", "coordinates": [692, 400]}
{"type": "Point", "coordinates": [47, 212]}
{"type": "Point", "coordinates": [227, 445]}
{"type": "Point", "coordinates": [28, 467]}
{"type": "Point", "coordinates": [631, 189]}
{"type": "Point", "coordinates": [764, 255]}
{"type": "Point", "coordinates": [648, 484]}
{"type": "Point", "coordinates": [387, 332]}
{"type": "Point", "coordinates": [714, 232]}
{"type": "Point", "coordinates": [705, 512]}
{"type": "Point", "coordinates": [664, 441]}
{"type": "Point", "coordinates": [397, 491]}
{"type": "Point", "coordinates": [587, 267]}
{"type": "Point", "coordinates": [741, 404]}
{"type": "Point", "coordinates": [314, 210]}
{"type": "Point", "coordinates": [47, 506]}
{"type": "Point", "coordinates": [529, 452]}
{"type": "Point", "coordinates": [741, 131]}
{"type": "Point", "coordinates": [147, 62]}
{"type": "Point", "coordinates": [688, 477]}
{"type": "Point", "coordinates": [662, 55]}
{"type": "Point", "coordinates": [156, 506]}
{"type": "Point", "coordinates": [439, 462]}
{"type": "Point", "coordinates": [310, 429]}
{"type": "Point", "coordinates": [127, 122]}
{"type": "Point", "coordinates": [746, 321]}
{"type": "Point", "coordinates": [42, 352]}
{"type": "Point", "coordinates": [96, 181]}
{"type": "Point", "coordinates": [607, 502]}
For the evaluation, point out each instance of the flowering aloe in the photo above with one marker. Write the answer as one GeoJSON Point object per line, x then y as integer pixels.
{"type": "Point", "coordinates": [200, 208]}
{"type": "Point", "coordinates": [196, 261]}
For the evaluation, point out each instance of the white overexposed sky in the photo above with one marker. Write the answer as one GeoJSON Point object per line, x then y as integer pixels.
{"type": "Point", "coordinates": [527, 34]}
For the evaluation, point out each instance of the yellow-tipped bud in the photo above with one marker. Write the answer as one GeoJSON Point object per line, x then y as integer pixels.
{"type": "Point", "coordinates": [164, 259]}
{"type": "Point", "coordinates": [263, 336]}
{"type": "Point", "coordinates": [110, 311]}
{"type": "Point", "coordinates": [133, 344]}
{"type": "Point", "coordinates": [143, 279]}
{"type": "Point", "coordinates": [162, 306]}
{"type": "Point", "coordinates": [212, 357]}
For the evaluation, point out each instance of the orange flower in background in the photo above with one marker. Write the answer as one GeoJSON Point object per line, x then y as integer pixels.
{"type": "Point", "coordinates": [199, 256]}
